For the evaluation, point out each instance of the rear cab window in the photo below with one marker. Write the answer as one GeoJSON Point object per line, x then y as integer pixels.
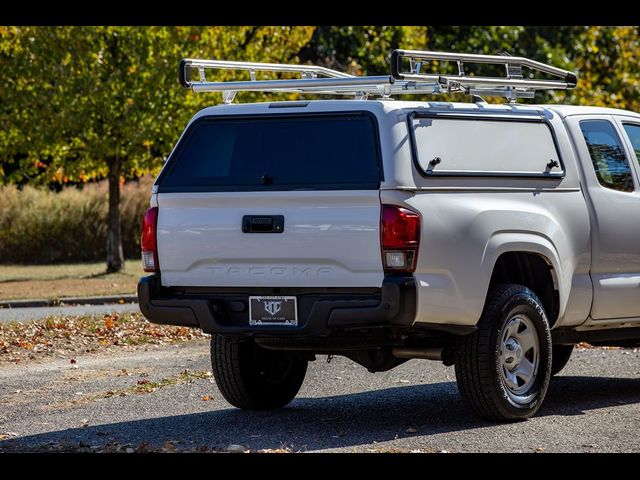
{"type": "Point", "coordinates": [276, 152]}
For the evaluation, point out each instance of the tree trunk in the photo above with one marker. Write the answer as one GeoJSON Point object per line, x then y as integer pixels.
{"type": "Point", "coordinates": [115, 257]}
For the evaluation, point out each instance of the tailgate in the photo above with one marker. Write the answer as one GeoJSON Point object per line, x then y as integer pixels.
{"type": "Point", "coordinates": [329, 239]}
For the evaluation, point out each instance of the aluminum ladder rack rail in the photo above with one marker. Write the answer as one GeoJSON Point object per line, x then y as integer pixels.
{"type": "Point", "coordinates": [320, 80]}
{"type": "Point", "coordinates": [512, 86]}
{"type": "Point", "coordinates": [313, 79]}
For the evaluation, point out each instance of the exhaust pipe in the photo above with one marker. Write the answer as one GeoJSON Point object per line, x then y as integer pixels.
{"type": "Point", "coordinates": [423, 353]}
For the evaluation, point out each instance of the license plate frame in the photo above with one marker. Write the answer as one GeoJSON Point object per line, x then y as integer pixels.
{"type": "Point", "coordinates": [270, 310]}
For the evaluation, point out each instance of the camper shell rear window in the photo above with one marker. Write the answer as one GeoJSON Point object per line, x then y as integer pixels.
{"type": "Point", "coordinates": [335, 151]}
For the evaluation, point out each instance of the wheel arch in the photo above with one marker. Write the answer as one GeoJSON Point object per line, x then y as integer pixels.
{"type": "Point", "coordinates": [532, 260]}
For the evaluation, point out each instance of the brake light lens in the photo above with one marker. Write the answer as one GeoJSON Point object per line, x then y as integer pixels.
{"type": "Point", "coordinates": [400, 239]}
{"type": "Point", "coordinates": [148, 241]}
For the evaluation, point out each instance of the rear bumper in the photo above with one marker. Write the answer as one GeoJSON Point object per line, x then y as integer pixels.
{"type": "Point", "coordinates": [319, 313]}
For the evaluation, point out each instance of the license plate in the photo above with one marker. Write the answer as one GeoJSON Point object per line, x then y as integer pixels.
{"type": "Point", "coordinates": [273, 311]}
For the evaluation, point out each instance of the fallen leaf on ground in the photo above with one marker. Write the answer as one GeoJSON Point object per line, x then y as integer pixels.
{"type": "Point", "coordinates": [24, 344]}
{"type": "Point", "coordinates": [108, 322]}
{"type": "Point", "coordinates": [274, 450]}
{"type": "Point", "coordinates": [206, 398]}
{"type": "Point", "coordinates": [74, 335]}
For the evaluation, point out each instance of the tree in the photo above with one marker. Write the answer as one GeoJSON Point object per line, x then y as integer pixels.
{"type": "Point", "coordinates": [607, 61]}
{"type": "Point", "coordinates": [604, 57]}
{"type": "Point", "coordinates": [84, 103]}
{"type": "Point", "coordinates": [360, 50]}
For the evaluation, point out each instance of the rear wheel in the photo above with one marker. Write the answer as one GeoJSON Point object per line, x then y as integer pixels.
{"type": "Point", "coordinates": [561, 356]}
{"type": "Point", "coordinates": [503, 368]}
{"type": "Point", "coordinates": [254, 378]}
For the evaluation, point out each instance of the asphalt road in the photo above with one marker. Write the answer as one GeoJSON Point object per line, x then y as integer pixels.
{"type": "Point", "coordinates": [26, 314]}
{"type": "Point", "coordinates": [593, 406]}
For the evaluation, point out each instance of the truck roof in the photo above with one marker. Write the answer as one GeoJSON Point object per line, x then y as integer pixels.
{"type": "Point", "coordinates": [372, 105]}
{"type": "Point", "coordinates": [387, 106]}
{"type": "Point", "coordinates": [567, 110]}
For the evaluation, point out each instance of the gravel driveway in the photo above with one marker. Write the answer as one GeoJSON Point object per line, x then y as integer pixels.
{"type": "Point", "coordinates": [158, 394]}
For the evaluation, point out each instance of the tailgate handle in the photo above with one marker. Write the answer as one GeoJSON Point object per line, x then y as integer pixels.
{"type": "Point", "coordinates": [263, 223]}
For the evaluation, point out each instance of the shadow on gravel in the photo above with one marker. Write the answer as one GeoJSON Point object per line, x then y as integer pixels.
{"type": "Point", "coordinates": [576, 395]}
{"type": "Point", "coordinates": [338, 421]}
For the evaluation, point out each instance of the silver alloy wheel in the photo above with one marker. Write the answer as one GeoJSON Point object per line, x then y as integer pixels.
{"type": "Point", "coordinates": [519, 357]}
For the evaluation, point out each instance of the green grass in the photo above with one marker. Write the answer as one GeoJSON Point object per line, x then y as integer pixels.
{"type": "Point", "coordinates": [54, 282]}
{"type": "Point", "coordinates": [25, 273]}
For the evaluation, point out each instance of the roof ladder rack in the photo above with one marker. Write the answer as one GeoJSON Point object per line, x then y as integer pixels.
{"type": "Point", "coordinates": [313, 79]}
{"type": "Point", "coordinates": [512, 86]}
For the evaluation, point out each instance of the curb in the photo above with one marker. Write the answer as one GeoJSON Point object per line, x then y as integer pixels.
{"type": "Point", "coordinates": [59, 302]}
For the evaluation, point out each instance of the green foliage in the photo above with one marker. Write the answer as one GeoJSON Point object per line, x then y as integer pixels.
{"type": "Point", "coordinates": [606, 58]}
{"type": "Point", "coordinates": [78, 99]}
{"type": "Point", "coordinates": [362, 49]}
{"type": "Point", "coordinates": [38, 225]}
{"type": "Point", "coordinates": [83, 103]}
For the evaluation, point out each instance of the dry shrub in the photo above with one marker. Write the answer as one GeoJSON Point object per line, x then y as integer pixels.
{"type": "Point", "coordinates": [41, 226]}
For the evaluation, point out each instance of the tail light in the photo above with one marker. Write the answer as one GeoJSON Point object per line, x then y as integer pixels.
{"type": "Point", "coordinates": [148, 241]}
{"type": "Point", "coordinates": [400, 239]}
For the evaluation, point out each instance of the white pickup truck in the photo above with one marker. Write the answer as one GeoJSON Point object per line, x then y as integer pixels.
{"type": "Point", "coordinates": [492, 237]}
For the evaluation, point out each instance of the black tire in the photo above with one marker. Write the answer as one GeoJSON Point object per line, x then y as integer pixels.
{"type": "Point", "coordinates": [254, 378]}
{"type": "Point", "coordinates": [480, 356]}
{"type": "Point", "coordinates": [561, 356]}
